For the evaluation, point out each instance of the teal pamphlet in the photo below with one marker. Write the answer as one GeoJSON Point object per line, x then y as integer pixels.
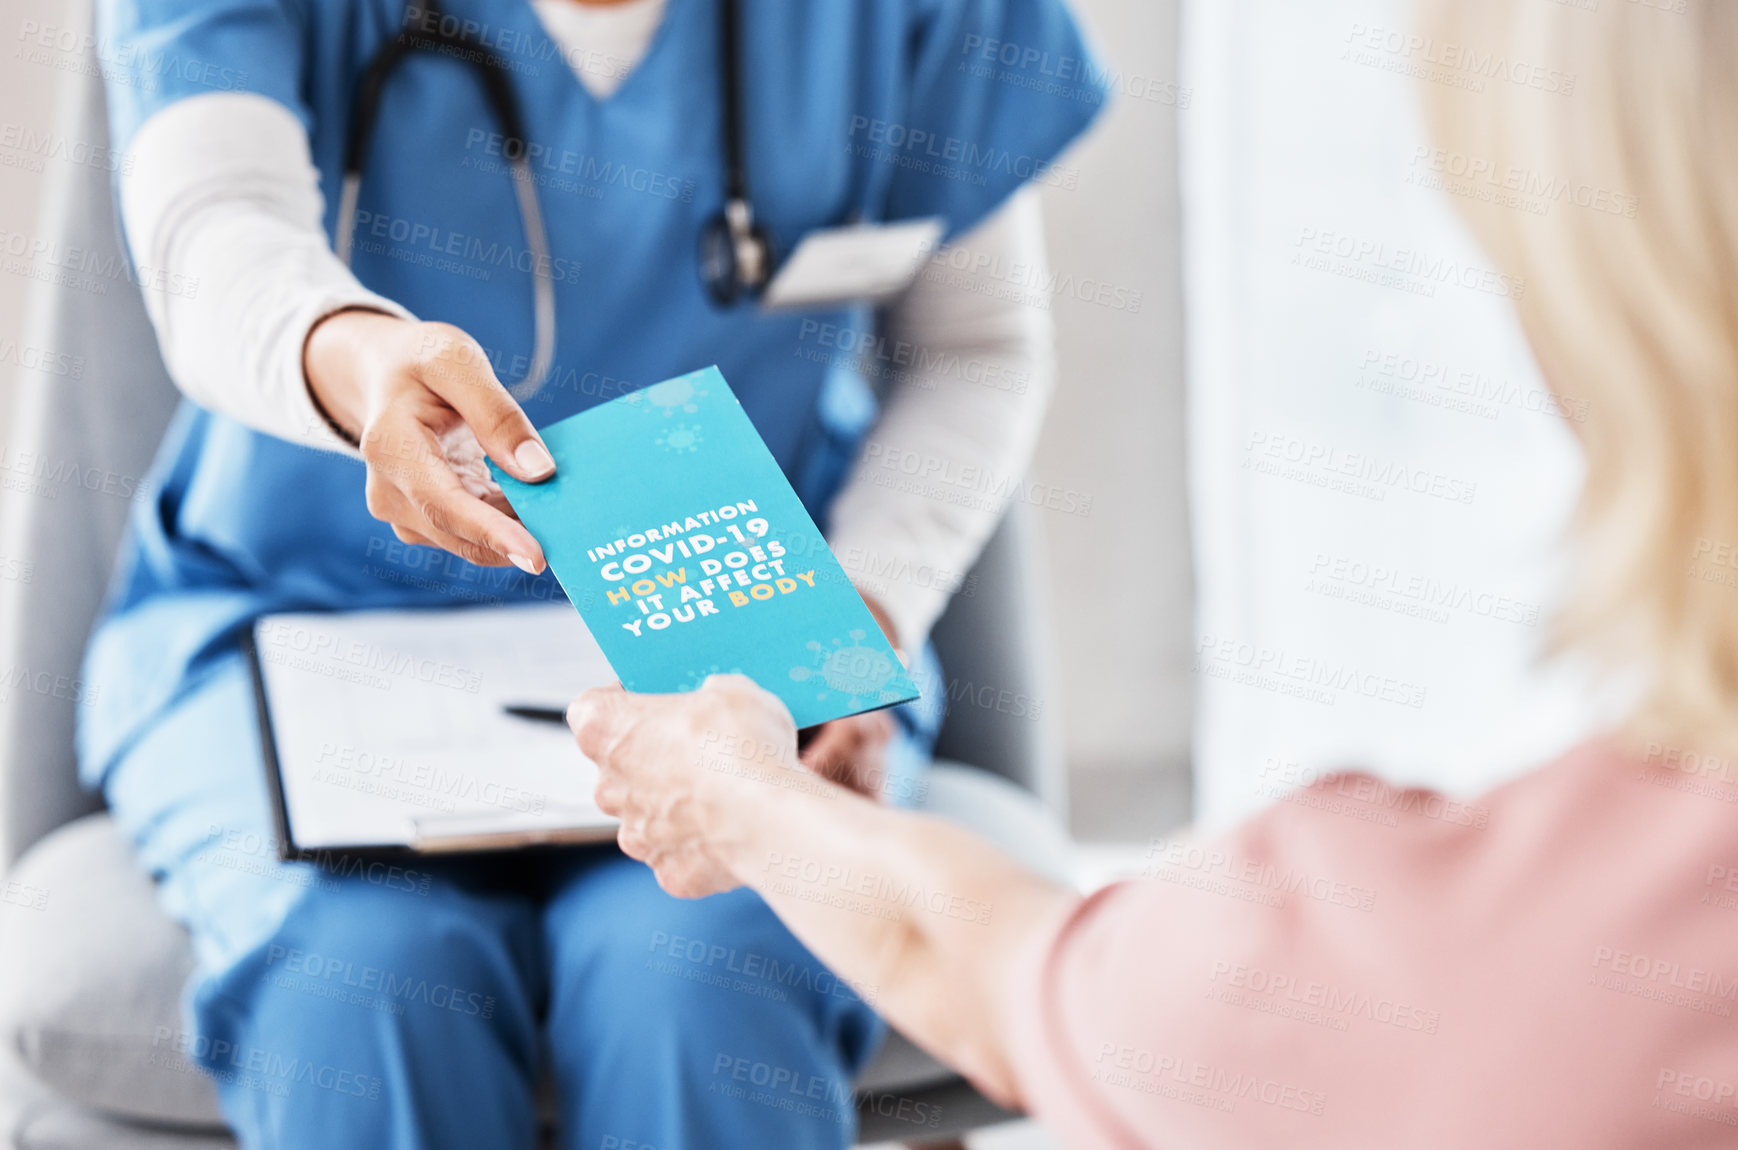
{"type": "Point", "coordinates": [685, 550]}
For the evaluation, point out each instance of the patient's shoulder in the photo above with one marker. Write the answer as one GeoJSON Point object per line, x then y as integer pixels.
{"type": "Point", "coordinates": [1341, 962]}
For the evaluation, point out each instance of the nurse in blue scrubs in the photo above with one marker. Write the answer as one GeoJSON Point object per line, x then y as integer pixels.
{"type": "Point", "coordinates": [340, 1005]}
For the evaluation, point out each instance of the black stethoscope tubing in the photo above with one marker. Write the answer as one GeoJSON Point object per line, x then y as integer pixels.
{"type": "Point", "coordinates": [736, 254]}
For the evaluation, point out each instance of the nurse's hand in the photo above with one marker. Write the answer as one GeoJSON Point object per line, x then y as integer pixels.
{"type": "Point", "coordinates": [425, 406]}
{"type": "Point", "coordinates": [853, 751]}
{"type": "Point", "coordinates": [682, 771]}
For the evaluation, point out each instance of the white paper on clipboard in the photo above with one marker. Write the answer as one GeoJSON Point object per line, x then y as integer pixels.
{"type": "Point", "coordinates": [388, 727]}
{"type": "Point", "coordinates": [861, 263]}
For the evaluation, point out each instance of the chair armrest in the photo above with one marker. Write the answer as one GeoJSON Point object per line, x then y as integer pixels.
{"type": "Point", "coordinates": [998, 660]}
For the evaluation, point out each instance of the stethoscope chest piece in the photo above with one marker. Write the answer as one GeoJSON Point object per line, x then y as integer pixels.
{"type": "Point", "coordinates": [736, 255]}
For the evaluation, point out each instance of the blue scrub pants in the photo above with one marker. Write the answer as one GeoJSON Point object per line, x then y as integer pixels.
{"type": "Point", "coordinates": [347, 1003]}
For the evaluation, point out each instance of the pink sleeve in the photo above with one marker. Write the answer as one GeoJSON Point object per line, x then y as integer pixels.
{"type": "Point", "coordinates": [1363, 965]}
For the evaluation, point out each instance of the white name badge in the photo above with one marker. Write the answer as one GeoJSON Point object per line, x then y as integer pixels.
{"type": "Point", "coordinates": [863, 263]}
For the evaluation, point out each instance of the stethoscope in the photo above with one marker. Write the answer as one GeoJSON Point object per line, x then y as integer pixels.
{"type": "Point", "coordinates": [736, 254]}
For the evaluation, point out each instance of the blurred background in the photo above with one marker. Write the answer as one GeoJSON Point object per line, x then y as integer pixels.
{"type": "Point", "coordinates": [1323, 476]}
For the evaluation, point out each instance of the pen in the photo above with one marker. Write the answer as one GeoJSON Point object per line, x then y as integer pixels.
{"type": "Point", "coordinates": [541, 714]}
{"type": "Point", "coordinates": [536, 713]}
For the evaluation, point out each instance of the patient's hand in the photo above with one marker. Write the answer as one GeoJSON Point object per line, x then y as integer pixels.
{"type": "Point", "coordinates": [676, 769]}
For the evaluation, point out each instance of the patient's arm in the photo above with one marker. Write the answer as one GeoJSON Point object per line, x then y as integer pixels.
{"type": "Point", "coordinates": [922, 916]}
{"type": "Point", "coordinates": [1330, 973]}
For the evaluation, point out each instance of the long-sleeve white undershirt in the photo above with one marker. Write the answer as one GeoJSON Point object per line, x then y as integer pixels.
{"type": "Point", "coordinates": [223, 189]}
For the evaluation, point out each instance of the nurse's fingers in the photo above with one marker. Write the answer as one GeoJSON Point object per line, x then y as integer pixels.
{"type": "Point", "coordinates": [457, 370]}
{"type": "Point", "coordinates": [406, 535]}
{"type": "Point", "coordinates": [498, 501]}
{"type": "Point", "coordinates": [468, 527]}
{"type": "Point", "coordinates": [425, 496]}
{"type": "Point", "coordinates": [428, 536]}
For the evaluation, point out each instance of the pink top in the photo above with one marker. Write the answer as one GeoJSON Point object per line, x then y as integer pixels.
{"type": "Point", "coordinates": [1553, 965]}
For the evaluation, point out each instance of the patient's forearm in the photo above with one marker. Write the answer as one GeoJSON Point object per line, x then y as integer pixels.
{"type": "Point", "coordinates": [921, 916]}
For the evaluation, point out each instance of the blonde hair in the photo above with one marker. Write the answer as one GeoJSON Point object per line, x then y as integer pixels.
{"type": "Point", "coordinates": [1630, 305]}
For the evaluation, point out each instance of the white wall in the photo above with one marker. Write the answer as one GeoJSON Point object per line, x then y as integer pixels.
{"type": "Point", "coordinates": [1380, 480]}
{"type": "Point", "coordinates": [26, 113]}
{"type": "Point", "coordinates": [1123, 582]}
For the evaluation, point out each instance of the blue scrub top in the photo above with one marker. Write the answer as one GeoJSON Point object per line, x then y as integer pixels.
{"type": "Point", "coordinates": [854, 110]}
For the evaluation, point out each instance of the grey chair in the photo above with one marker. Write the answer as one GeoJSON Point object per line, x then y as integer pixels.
{"type": "Point", "coordinates": [91, 971]}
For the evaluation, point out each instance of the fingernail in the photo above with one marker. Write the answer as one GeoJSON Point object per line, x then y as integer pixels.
{"type": "Point", "coordinates": [533, 459]}
{"type": "Point", "coordinates": [522, 563]}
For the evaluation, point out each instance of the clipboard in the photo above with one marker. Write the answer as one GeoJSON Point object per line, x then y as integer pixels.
{"type": "Point", "coordinates": [383, 733]}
